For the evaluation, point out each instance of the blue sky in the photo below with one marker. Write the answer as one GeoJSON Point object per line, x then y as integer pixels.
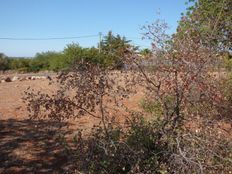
{"type": "Point", "coordinates": [64, 18]}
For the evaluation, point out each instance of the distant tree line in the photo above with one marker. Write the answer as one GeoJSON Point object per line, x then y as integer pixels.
{"type": "Point", "coordinates": [110, 54]}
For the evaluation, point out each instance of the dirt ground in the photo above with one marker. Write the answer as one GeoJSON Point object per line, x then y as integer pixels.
{"type": "Point", "coordinates": [28, 146]}
{"type": "Point", "coordinates": [31, 146]}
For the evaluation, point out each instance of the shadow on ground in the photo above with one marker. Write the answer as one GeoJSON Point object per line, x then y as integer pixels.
{"type": "Point", "coordinates": [29, 146]}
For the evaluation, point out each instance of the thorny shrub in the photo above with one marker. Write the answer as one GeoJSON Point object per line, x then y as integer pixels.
{"type": "Point", "coordinates": [183, 135]}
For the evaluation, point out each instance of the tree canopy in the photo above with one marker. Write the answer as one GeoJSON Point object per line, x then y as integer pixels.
{"type": "Point", "coordinates": [114, 47]}
{"type": "Point", "coordinates": [3, 62]}
{"type": "Point", "coordinates": [213, 20]}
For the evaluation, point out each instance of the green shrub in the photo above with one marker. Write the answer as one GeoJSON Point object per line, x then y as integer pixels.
{"type": "Point", "coordinates": [140, 149]}
{"type": "Point", "coordinates": [4, 62]}
{"type": "Point", "coordinates": [227, 58]}
{"type": "Point", "coordinates": [152, 107]}
{"type": "Point", "coordinates": [20, 64]}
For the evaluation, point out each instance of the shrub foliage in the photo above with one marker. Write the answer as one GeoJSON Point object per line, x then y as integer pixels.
{"type": "Point", "coordinates": [179, 128]}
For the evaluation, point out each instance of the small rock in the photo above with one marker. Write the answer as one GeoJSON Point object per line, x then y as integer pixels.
{"type": "Point", "coordinates": [22, 79]}
{"type": "Point", "coordinates": [43, 77]}
{"type": "Point", "coordinates": [15, 78]}
{"type": "Point", "coordinates": [33, 77]}
{"type": "Point", "coordinates": [8, 79]}
{"type": "Point", "coordinates": [49, 78]}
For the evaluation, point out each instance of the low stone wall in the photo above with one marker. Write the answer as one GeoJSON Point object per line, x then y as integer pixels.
{"type": "Point", "coordinates": [6, 79]}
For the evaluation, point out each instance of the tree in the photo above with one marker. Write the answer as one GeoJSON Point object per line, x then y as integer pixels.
{"type": "Point", "coordinates": [41, 60]}
{"type": "Point", "coordinates": [146, 53]}
{"type": "Point", "coordinates": [212, 19]}
{"type": "Point", "coordinates": [182, 92]}
{"type": "Point", "coordinates": [4, 63]}
{"type": "Point", "coordinates": [114, 47]}
{"type": "Point", "coordinates": [74, 53]}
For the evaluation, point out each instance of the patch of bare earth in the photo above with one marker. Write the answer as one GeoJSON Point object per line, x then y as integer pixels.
{"type": "Point", "coordinates": [30, 146]}
{"type": "Point", "coordinates": [26, 146]}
